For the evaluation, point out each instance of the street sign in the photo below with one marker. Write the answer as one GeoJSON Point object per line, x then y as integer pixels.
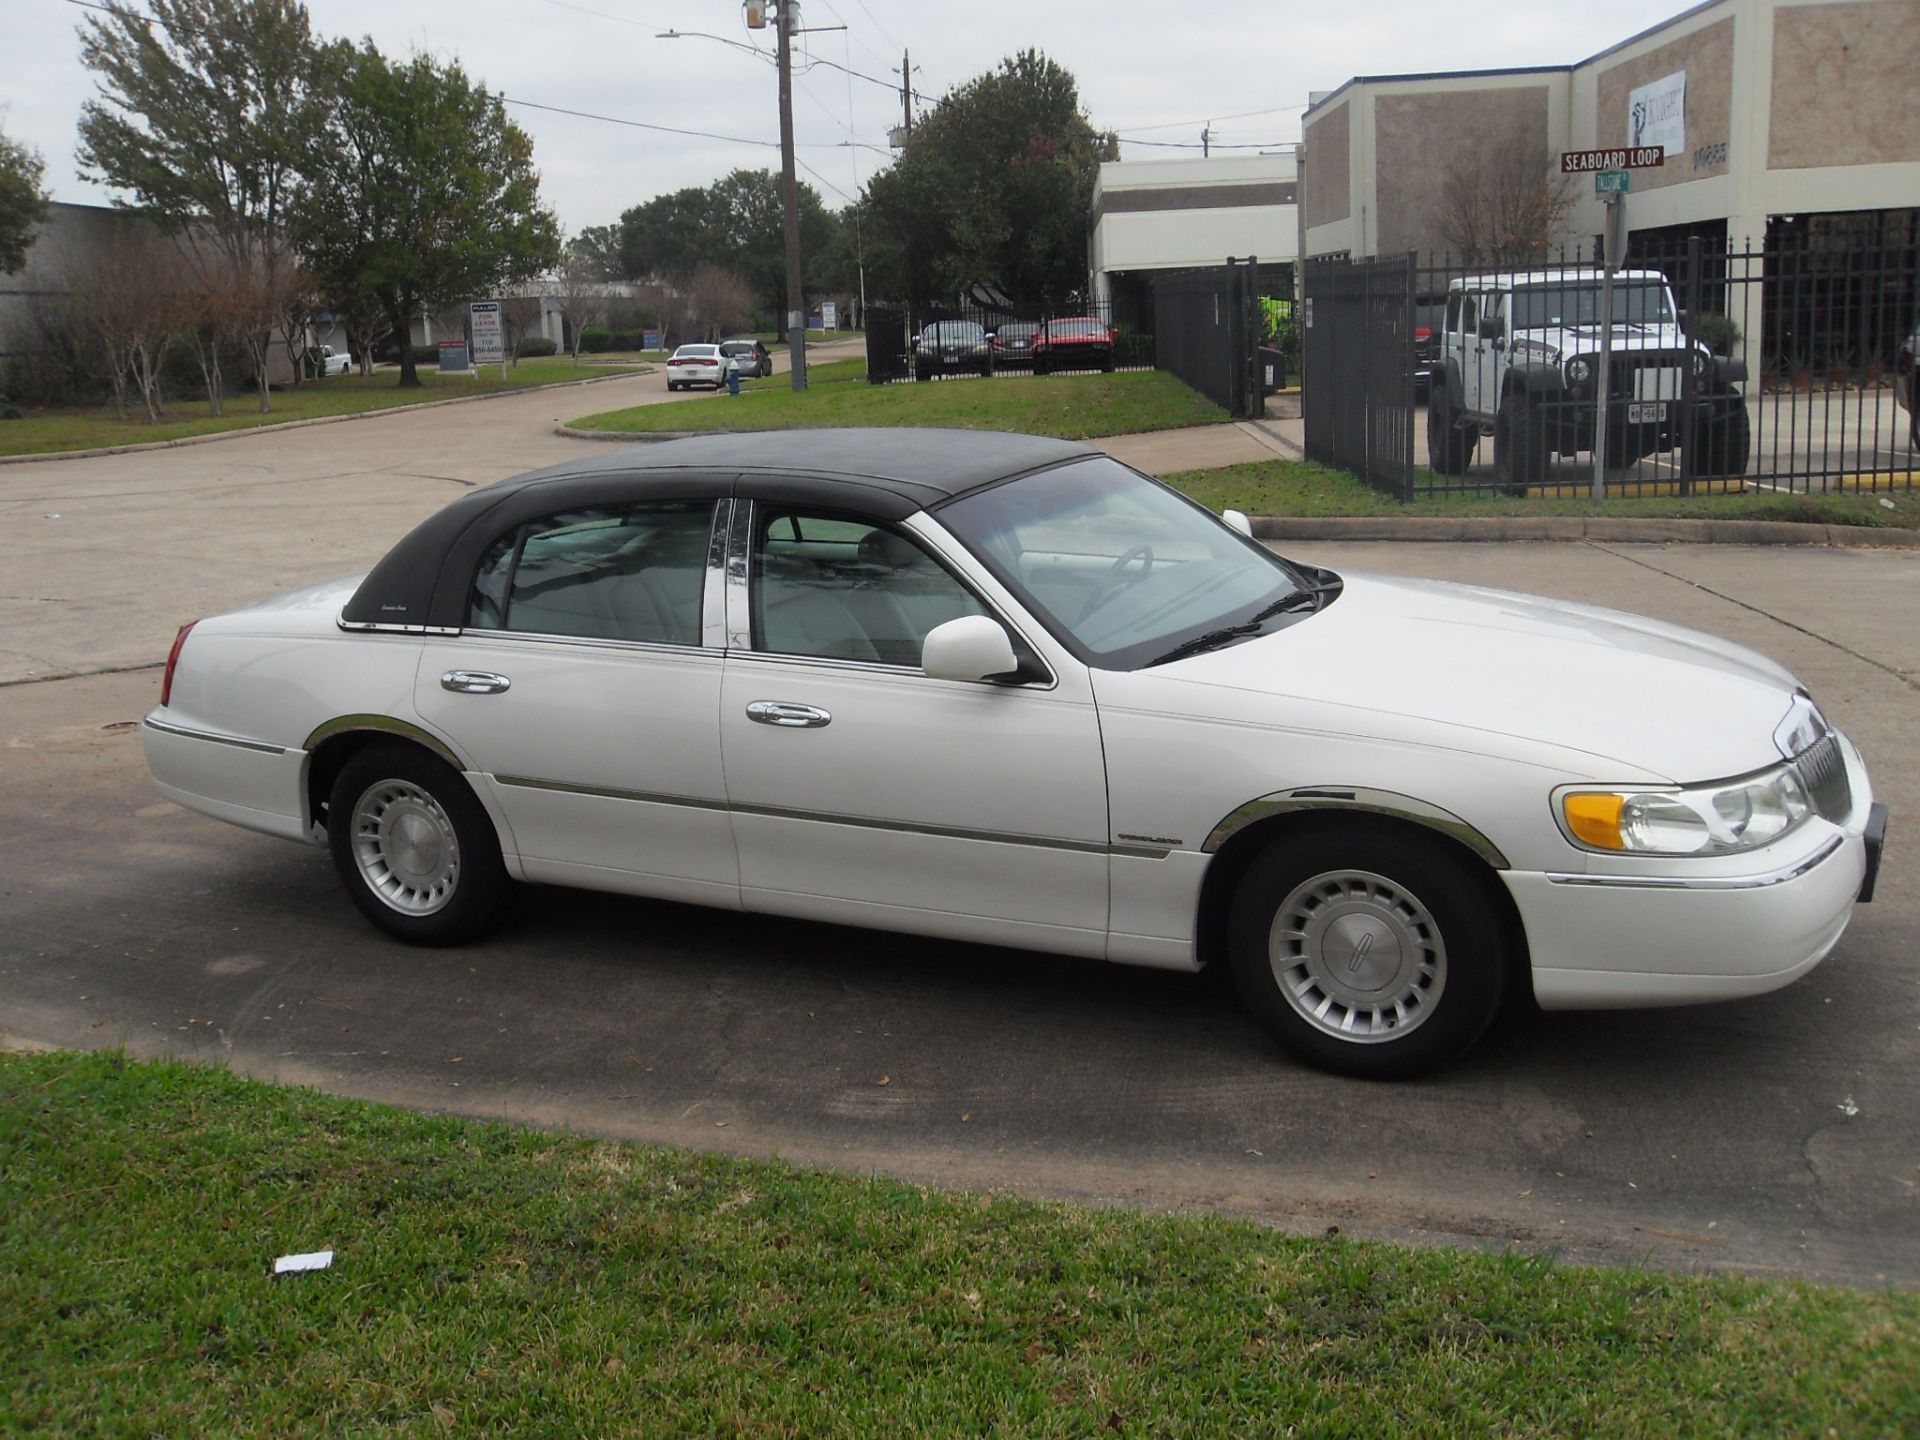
{"type": "Point", "coordinates": [1622, 157]}
{"type": "Point", "coordinates": [1612, 182]}
{"type": "Point", "coordinates": [489, 340]}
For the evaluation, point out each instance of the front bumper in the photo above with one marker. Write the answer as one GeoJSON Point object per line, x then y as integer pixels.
{"type": "Point", "coordinates": [1691, 934]}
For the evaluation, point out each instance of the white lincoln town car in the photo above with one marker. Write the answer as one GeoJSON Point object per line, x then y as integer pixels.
{"type": "Point", "coordinates": [1004, 689]}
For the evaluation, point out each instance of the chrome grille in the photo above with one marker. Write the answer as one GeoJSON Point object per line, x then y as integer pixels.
{"type": "Point", "coordinates": [1823, 770]}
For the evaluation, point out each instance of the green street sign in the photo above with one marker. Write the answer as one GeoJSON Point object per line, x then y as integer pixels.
{"type": "Point", "coordinates": [1612, 182]}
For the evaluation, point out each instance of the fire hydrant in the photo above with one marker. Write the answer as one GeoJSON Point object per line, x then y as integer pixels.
{"type": "Point", "coordinates": [733, 379]}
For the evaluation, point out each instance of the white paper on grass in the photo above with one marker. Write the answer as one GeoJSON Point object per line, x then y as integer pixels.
{"type": "Point", "coordinates": [293, 1264]}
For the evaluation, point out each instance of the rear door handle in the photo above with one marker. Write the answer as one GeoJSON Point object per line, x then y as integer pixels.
{"type": "Point", "coordinates": [474, 682]}
{"type": "Point", "coordinates": [788, 715]}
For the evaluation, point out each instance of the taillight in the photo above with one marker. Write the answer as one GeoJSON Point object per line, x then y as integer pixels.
{"type": "Point", "coordinates": [1421, 332]}
{"type": "Point", "coordinates": [173, 659]}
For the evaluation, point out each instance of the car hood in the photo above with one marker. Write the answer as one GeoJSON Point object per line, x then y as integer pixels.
{"type": "Point", "coordinates": [1628, 335]}
{"type": "Point", "coordinates": [1491, 664]}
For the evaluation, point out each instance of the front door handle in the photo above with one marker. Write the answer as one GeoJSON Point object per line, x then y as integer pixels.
{"type": "Point", "coordinates": [788, 715]}
{"type": "Point", "coordinates": [474, 682]}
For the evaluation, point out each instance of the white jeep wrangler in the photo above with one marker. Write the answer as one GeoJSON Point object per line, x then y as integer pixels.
{"type": "Point", "coordinates": [1518, 359]}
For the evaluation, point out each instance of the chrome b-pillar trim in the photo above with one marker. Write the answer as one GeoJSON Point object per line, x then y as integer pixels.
{"type": "Point", "coordinates": [1350, 798]}
{"type": "Point", "coordinates": [713, 596]}
{"type": "Point", "coordinates": [739, 619]}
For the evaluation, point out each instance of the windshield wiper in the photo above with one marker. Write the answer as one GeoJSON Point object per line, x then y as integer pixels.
{"type": "Point", "coordinates": [1309, 599]}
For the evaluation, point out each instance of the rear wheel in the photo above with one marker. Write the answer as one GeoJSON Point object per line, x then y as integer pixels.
{"type": "Point", "coordinates": [1449, 447]}
{"type": "Point", "coordinates": [1367, 951]}
{"type": "Point", "coordinates": [417, 852]}
{"type": "Point", "coordinates": [1519, 444]}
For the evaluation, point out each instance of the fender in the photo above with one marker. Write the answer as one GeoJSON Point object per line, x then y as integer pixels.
{"type": "Point", "coordinates": [1537, 378]}
{"type": "Point", "coordinates": [1356, 798]}
{"type": "Point", "coordinates": [1727, 370]}
{"type": "Point", "coordinates": [384, 725]}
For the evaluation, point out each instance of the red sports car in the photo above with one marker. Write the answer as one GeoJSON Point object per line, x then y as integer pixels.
{"type": "Point", "coordinates": [1076, 344]}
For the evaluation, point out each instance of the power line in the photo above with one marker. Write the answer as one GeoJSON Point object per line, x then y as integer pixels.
{"type": "Point", "coordinates": [1208, 120]}
{"type": "Point", "coordinates": [636, 124]}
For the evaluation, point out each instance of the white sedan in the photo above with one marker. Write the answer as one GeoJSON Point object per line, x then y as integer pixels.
{"type": "Point", "coordinates": [693, 365]}
{"type": "Point", "coordinates": [1004, 689]}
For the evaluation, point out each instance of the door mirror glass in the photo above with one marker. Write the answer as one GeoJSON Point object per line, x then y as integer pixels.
{"type": "Point", "coordinates": [1237, 520]}
{"type": "Point", "coordinates": [1490, 329]}
{"type": "Point", "coordinates": [973, 647]}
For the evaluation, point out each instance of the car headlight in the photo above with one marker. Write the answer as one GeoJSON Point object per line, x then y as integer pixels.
{"type": "Point", "coordinates": [1579, 370]}
{"type": "Point", "coordinates": [1699, 364]}
{"type": "Point", "coordinates": [1707, 820]}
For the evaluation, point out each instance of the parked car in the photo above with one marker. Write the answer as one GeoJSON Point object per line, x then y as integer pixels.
{"type": "Point", "coordinates": [1013, 344]}
{"type": "Point", "coordinates": [1077, 344]}
{"type": "Point", "coordinates": [949, 347]}
{"type": "Point", "coordinates": [323, 361]}
{"type": "Point", "coordinates": [749, 357]}
{"type": "Point", "coordinates": [1005, 689]}
{"type": "Point", "coordinates": [1907, 384]}
{"type": "Point", "coordinates": [1429, 319]}
{"type": "Point", "coordinates": [1519, 359]}
{"type": "Point", "coordinates": [693, 365]}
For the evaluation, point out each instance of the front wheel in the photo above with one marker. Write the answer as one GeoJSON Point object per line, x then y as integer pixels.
{"type": "Point", "coordinates": [417, 852]}
{"type": "Point", "coordinates": [1722, 444]}
{"type": "Point", "coordinates": [1366, 951]}
{"type": "Point", "coordinates": [1449, 446]}
{"type": "Point", "coordinates": [1519, 444]}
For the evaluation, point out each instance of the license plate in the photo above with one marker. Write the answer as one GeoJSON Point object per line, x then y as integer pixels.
{"type": "Point", "coordinates": [1646, 412]}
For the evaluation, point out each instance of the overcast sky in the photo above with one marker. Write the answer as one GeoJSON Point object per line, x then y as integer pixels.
{"type": "Point", "coordinates": [1155, 70]}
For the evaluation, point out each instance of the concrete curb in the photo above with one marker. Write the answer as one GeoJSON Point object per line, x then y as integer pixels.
{"type": "Point", "coordinates": [641, 437]}
{"type": "Point", "coordinates": [246, 430]}
{"type": "Point", "coordinates": [1573, 529]}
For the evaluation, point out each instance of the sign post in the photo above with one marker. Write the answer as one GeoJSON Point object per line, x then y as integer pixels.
{"type": "Point", "coordinates": [1612, 172]}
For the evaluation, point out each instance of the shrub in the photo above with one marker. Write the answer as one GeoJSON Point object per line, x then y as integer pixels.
{"type": "Point", "coordinates": [534, 346]}
{"type": "Point", "coordinates": [1717, 332]}
{"type": "Point", "coordinates": [596, 342]}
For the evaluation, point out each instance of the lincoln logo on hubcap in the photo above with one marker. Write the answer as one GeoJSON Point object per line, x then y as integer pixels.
{"type": "Point", "coordinates": [1360, 954]}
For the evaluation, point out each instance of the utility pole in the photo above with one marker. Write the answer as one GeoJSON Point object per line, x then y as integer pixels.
{"type": "Point", "coordinates": [796, 297]}
{"type": "Point", "coordinates": [1206, 137]}
{"type": "Point", "coordinates": [906, 89]}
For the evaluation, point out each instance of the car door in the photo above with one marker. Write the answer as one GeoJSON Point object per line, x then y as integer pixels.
{"type": "Point", "coordinates": [585, 689]}
{"type": "Point", "coordinates": [865, 791]}
{"type": "Point", "coordinates": [1488, 353]}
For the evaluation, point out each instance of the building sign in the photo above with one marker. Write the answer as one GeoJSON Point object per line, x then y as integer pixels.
{"type": "Point", "coordinates": [829, 315]}
{"type": "Point", "coordinates": [453, 357]}
{"type": "Point", "coordinates": [489, 339]}
{"type": "Point", "coordinates": [649, 339]}
{"type": "Point", "coordinates": [1657, 114]}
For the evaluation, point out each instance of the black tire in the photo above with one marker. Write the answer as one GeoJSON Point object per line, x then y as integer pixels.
{"type": "Point", "coordinates": [1449, 447]}
{"type": "Point", "coordinates": [400, 815]}
{"type": "Point", "coordinates": [1106, 366]}
{"type": "Point", "coordinates": [1519, 444]}
{"type": "Point", "coordinates": [672, 385]}
{"type": "Point", "coordinates": [1722, 445]}
{"type": "Point", "coordinates": [922, 372]}
{"type": "Point", "coordinates": [1422, 906]}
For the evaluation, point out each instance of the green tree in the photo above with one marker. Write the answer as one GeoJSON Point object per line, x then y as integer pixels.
{"type": "Point", "coordinates": [426, 195]}
{"type": "Point", "coordinates": [994, 188]}
{"type": "Point", "coordinates": [22, 202]}
{"type": "Point", "coordinates": [597, 250]}
{"type": "Point", "coordinates": [209, 113]}
{"type": "Point", "coordinates": [737, 223]}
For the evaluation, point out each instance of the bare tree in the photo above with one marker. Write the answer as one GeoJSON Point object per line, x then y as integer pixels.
{"type": "Point", "coordinates": [128, 295]}
{"type": "Point", "coordinates": [1499, 204]}
{"type": "Point", "coordinates": [291, 295]}
{"type": "Point", "coordinates": [583, 297]}
{"type": "Point", "coordinates": [519, 314]}
{"type": "Point", "coordinates": [720, 300]}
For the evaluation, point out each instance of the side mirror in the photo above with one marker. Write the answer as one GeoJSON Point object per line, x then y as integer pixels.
{"type": "Point", "coordinates": [1237, 520]}
{"type": "Point", "coordinates": [972, 647]}
{"type": "Point", "coordinates": [1490, 330]}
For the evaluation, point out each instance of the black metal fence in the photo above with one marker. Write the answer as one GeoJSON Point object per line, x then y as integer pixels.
{"type": "Point", "coordinates": [1207, 324]}
{"type": "Point", "coordinates": [1788, 366]}
{"type": "Point", "coordinates": [952, 341]}
{"type": "Point", "coordinates": [1357, 328]}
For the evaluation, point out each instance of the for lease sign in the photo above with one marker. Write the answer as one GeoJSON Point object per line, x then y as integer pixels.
{"type": "Point", "coordinates": [489, 339]}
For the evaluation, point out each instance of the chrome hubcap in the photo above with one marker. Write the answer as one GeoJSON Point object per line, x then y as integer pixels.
{"type": "Point", "coordinates": [405, 847]}
{"type": "Point", "coordinates": [1357, 956]}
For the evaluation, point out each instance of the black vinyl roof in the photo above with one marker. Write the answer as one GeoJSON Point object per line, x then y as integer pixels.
{"type": "Point", "coordinates": [888, 474]}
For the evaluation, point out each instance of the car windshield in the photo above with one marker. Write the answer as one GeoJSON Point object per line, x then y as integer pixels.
{"type": "Point", "coordinates": [1121, 569]}
{"type": "Point", "coordinates": [1542, 307]}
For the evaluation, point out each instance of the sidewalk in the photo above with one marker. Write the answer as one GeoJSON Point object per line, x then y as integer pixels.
{"type": "Point", "coordinates": [1208, 447]}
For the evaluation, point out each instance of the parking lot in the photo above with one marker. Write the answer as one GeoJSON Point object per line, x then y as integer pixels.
{"type": "Point", "coordinates": [1780, 1134]}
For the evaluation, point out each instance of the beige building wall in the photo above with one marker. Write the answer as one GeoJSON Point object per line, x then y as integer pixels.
{"type": "Point", "coordinates": [1846, 84]}
{"type": "Point", "coordinates": [1421, 140]}
{"type": "Point", "coordinates": [1707, 57]}
{"type": "Point", "coordinates": [1326, 173]}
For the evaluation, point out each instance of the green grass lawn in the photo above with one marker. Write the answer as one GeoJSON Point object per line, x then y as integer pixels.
{"type": "Point", "coordinates": [43, 431]}
{"type": "Point", "coordinates": [1287, 487]}
{"type": "Point", "coordinates": [495, 1280]}
{"type": "Point", "coordinates": [1072, 407]}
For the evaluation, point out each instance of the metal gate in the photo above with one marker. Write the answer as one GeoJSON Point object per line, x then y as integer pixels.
{"type": "Point", "coordinates": [1359, 343]}
{"type": "Point", "coordinates": [1206, 326]}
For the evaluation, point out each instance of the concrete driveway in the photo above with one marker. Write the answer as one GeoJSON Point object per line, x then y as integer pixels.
{"type": "Point", "coordinates": [1780, 1134]}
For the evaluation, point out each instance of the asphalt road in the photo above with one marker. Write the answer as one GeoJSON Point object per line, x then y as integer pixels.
{"type": "Point", "coordinates": [1773, 1135]}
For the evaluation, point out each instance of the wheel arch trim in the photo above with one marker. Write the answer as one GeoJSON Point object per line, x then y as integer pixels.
{"type": "Point", "coordinates": [382, 725]}
{"type": "Point", "coordinates": [1355, 799]}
